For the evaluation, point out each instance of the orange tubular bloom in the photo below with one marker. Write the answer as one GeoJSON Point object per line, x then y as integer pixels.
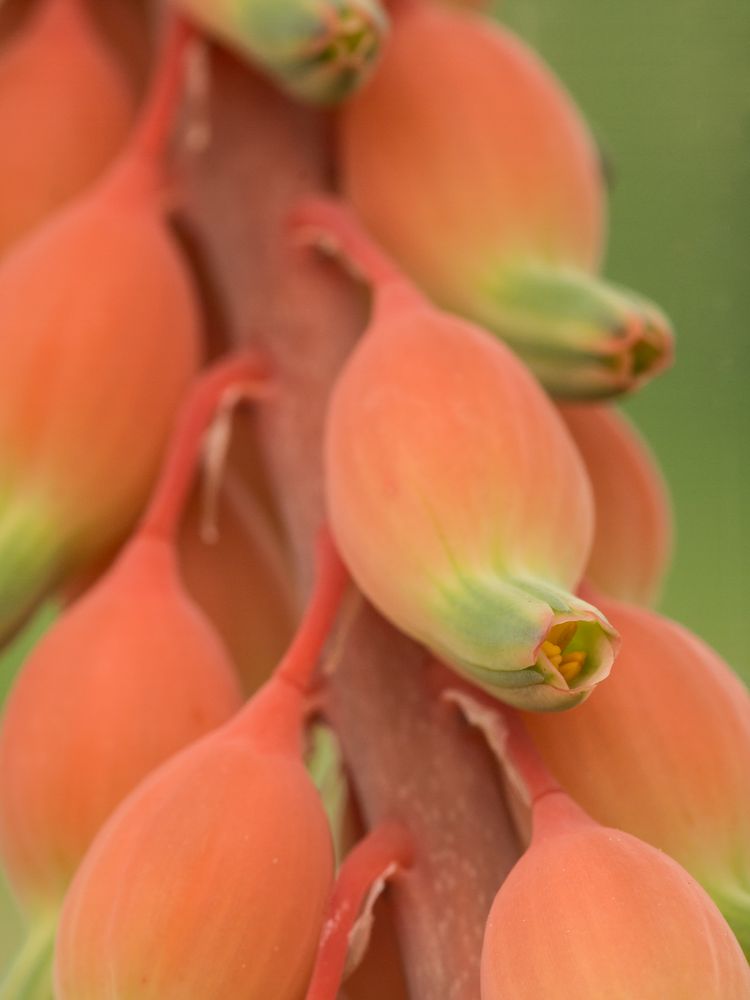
{"type": "Point", "coordinates": [663, 751]}
{"type": "Point", "coordinates": [131, 674]}
{"type": "Point", "coordinates": [633, 536]}
{"type": "Point", "coordinates": [470, 164]}
{"type": "Point", "coordinates": [590, 912]}
{"type": "Point", "coordinates": [99, 329]}
{"type": "Point", "coordinates": [212, 879]}
{"type": "Point", "coordinates": [64, 112]}
{"type": "Point", "coordinates": [456, 495]}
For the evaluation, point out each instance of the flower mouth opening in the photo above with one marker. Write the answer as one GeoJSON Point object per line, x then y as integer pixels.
{"type": "Point", "coordinates": [568, 654]}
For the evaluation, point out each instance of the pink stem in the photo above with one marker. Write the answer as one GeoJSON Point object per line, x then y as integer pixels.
{"type": "Point", "coordinates": [387, 845]}
{"type": "Point", "coordinates": [273, 717]}
{"type": "Point", "coordinates": [244, 373]}
{"type": "Point", "coordinates": [332, 221]}
{"type": "Point", "coordinates": [525, 757]}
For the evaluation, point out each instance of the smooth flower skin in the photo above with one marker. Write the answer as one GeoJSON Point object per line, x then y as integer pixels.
{"type": "Point", "coordinates": [317, 50]}
{"type": "Point", "coordinates": [470, 164]}
{"type": "Point", "coordinates": [455, 494]}
{"type": "Point", "coordinates": [592, 912]}
{"type": "Point", "coordinates": [99, 337]}
{"type": "Point", "coordinates": [663, 752]}
{"type": "Point", "coordinates": [633, 538]}
{"type": "Point", "coordinates": [65, 109]}
{"type": "Point", "coordinates": [212, 881]}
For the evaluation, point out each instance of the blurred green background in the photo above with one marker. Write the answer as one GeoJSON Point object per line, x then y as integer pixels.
{"type": "Point", "coordinates": [666, 88]}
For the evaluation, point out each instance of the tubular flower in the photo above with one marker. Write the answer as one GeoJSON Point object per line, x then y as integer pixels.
{"type": "Point", "coordinates": [591, 912]}
{"type": "Point", "coordinates": [491, 198]}
{"type": "Point", "coordinates": [131, 674]}
{"type": "Point", "coordinates": [318, 50]}
{"type": "Point", "coordinates": [212, 879]}
{"type": "Point", "coordinates": [456, 496]}
{"type": "Point", "coordinates": [633, 536]}
{"type": "Point", "coordinates": [663, 752]}
{"type": "Point", "coordinates": [92, 370]}
{"type": "Point", "coordinates": [64, 112]}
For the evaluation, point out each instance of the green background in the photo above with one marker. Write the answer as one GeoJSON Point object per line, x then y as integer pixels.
{"type": "Point", "coordinates": [665, 85]}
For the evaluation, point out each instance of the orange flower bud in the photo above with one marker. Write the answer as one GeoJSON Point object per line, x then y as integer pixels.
{"type": "Point", "coordinates": [64, 112]}
{"type": "Point", "coordinates": [591, 912]}
{"type": "Point", "coordinates": [633, 536]}
{"type": "Point", "coordinates": [212, 878]}
{"type": "Point", "coordinates": [457, 497]}
{"type": "Point", "coordinates": [663, 752]}
{"type": "Point", "coordinates": [129, 675]}
{"type": "Point", "coordinates": [471, 165]}
{"type": "Point", "coordinates": [98, 339]}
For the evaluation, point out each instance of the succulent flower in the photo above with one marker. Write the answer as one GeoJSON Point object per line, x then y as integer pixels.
{"type": "Point", "coordinates": [470, 164]}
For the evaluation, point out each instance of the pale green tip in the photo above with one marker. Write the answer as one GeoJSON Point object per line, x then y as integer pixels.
{"type": "Point", "coordinates": [31, 974]}
{"type": "Point", "coordinates": [31, 558]}
{"type": "Point", "coordinates": [501, 633]}
{"type": "Point", "coordinates": [582, 337]}
{"type": "Point", "coordinates": [319, 51]}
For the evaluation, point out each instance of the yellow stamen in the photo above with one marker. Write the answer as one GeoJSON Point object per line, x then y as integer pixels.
{"type": "Point", "coordinates": [562, 634]}
{"type": "Point", "coordinates": [569, 664]}
{"type": "Point", "coordinates": [571, 668]}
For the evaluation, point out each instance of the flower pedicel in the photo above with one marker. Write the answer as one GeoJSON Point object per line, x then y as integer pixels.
{"type": "Point", "coordinates": [455, 494]}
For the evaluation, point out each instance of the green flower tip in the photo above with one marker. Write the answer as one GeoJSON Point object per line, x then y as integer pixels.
{"type": "Point", "coordinates": [583, 337]}
{"type": "Point", "coordinates": [528, 643]}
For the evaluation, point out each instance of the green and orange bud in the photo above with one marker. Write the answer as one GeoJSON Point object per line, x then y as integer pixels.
{"type": "Point", "coordinates": [456, 495]}
{"type": "Point", "coordinates": [491, 198]}
{"type": "Point", "coordinates": [663, 751]}
{"type": "Point", "coordinates": [633, 537]}
{"type": "Point", "coordinates": [99, 337]}
{"type": "Point", "coordinates": [591, 912]}
{"type": "Point", "coordinates": [131, 674]}
{"type": "Point", "coordinates": [213, 877]}
{"type": "Point", "coordinates": [317, 50]}
{"type": "Point", "coordinates": [65, 109]}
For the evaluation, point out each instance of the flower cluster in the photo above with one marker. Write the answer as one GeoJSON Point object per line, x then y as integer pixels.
{"type": "Point", "coordinates": [180, 812]}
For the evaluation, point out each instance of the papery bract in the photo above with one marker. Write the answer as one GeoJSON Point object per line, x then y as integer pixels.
{"type": "Point", "coordinates": [456, 495]}
{"type": "Point", "coordinates": [663, 752]}
{"type": "Point", "coordinates": [64, 112]}
{"type": "Point", "coordinates": [99, 327]}
{"type": "Point", "coordinates": [633, 537]}
{"type": "Point", "coordinates": [591, 912]}
{"type": "Point", "coordinates": [212, 878]}
{"type": "Point", "coordinates": [471, 165]}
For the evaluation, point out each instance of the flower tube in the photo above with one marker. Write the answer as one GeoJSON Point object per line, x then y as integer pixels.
{"type": "Point", "coordinates": [456, 496]}
{"type": "Point", "coordinates": [470, 164]}
{"type": "Point", "coordinates": [663, 752]}
{"type": "Point", "coordinates": [591, 912]}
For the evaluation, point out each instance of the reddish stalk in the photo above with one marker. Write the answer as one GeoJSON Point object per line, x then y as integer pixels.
{"type": "Point", "coordinates": [141, 166]}
{"type": "Point", "coordinates": [242, 375]}
{"type": "Point", "coordinates": [411, 757]}
{"type": "Point", "coordinates": [386, 848]}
